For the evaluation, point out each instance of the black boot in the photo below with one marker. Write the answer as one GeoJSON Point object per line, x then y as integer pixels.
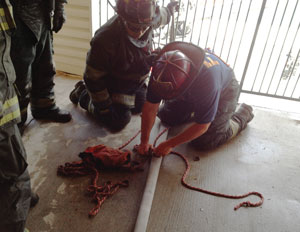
{"type": "Point", "coordinates": [34, 199]}
{"type": "Point", "coordinates": [76, 92]}
{"type": "Point", "coordinates": [54, 114]}
{"type": "Point", "coordinates": [243, 115]}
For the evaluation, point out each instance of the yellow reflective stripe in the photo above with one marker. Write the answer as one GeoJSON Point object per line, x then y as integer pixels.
{"type": "Point", "coordinates": [210, 62]}
{"type": "Point", "coordinates": [100, 96]}
{"type": "Point", "coordinates": [8, 117]}
{"type": "Point", "coordinates": [2, 12]}
{"type": "Point", "coordinates": [10, 102]}
{"type": "Point", "coordinates": [94, 74]}
{"type": "Point", "coordinates": [124, 99]}
{"type": "Point", "coordinates": [4, 26]}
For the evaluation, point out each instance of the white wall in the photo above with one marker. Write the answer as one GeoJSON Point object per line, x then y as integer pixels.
{"type": "Point", "coordinates": [73, 41]}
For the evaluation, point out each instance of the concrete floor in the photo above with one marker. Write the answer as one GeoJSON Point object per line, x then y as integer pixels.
{"type": "Point", "coordinates": [264, 158]}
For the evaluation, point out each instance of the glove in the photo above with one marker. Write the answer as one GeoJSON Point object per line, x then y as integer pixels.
{"type": "Point", "coordinates": [59, 18]}
{"type": "Point", "coordinates": [150, 59]}
{"type": "Point", "coordinates": [173, 6]}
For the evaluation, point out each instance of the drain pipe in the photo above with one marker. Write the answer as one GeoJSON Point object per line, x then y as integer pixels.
{"type": "Point", "coordinates": [146, 203]}
{"type": "Point", "coordinates": [145, 208]}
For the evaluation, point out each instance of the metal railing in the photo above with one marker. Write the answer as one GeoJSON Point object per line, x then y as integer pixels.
{"type": "Point", "coordinates": [259, 39]}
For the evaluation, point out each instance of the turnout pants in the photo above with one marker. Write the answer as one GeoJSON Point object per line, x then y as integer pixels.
{"type": "Point", "coordinates": [15, 188]}
{"type": "Point", "coordinates": [176, 112]}
{"type": "Point", "coordinates": [118, 115]}
{"type": "Point", "coordinates": [35, 71]}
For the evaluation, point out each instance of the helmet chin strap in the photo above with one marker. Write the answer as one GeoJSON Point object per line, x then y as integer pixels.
{"type": "Point", "coordinates": [138, 43]}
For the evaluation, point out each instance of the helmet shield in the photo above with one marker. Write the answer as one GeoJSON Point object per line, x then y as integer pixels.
{"type": "Point", "coordinates": [178, 65]}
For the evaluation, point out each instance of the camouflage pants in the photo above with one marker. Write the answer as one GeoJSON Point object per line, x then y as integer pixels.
{"type": "Point", "coordinates": [176, 112]}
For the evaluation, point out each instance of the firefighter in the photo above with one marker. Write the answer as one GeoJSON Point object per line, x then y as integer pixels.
{"type": "Point", "coordinates": [31, 53]}
{"type": "Point", "coordinates": [118, 62]}
{"type": "Point", "coordinates": [198, 88]}
{"type": "Point", "coordinates": [15, 192]}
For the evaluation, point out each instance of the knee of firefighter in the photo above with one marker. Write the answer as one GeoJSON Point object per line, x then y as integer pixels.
{"type": "Point", "coordinates": [118, 122]}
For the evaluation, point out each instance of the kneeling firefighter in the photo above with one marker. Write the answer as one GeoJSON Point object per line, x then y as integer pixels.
{"type": "Point", "coordinates": [117, 63]}
{"type": "Point", "coordinates": [199, 88]}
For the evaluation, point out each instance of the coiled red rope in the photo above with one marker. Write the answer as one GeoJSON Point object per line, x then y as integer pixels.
{"type": "Point", "coordinates": [183, 182]}
{"type": "Point", "coordinates": [101, 192]}
{"type": "Point", "coordinates": [243, 204]}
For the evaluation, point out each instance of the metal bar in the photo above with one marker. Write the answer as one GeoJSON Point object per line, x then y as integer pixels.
{"type": "Point", "coordinates": [273, 47]}
{"type": "Point", "coordinates": [229, 16]}
{"type": "Point", "coordinates": [237, 53]}
{"type": "Point", "coordinates": [296, 86]}
{"type": "Point", "coordinates": [100, 13]}
{"type": "Point", "coordinates": [160, 29]}
{"type": "Point", "coordinates": [194, 21]}
{"type": "Point", "coordinates": [237, 17]}
{"type": "Point", "coordinates": [265, 45]}
{"type": "Point", "coordinates": [270, 95]}
{"type": "Point", "coordinates": [287, 62]}
{"type": "Point", "coordinates": [290, 76]}
{"type": "Point", "coordinates": [218, 26]}
{"type": "Point", "coordinates": [107, 3]}
{"type": "Point", "coordinates": [211, 18]}
{"type": "Point", "coordinates": [282, 47]}
{"type": "Point", "coordinates": [176, 24]}
{"type": "Point", "coordinates": [184, 26]}
{"type": "Point", "coordinates": [262, 9]}
{"type": "Point", "coordinates": [202, 22]}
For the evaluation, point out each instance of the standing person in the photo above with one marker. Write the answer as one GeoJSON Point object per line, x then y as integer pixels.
{"type": "Point", "coordinates": [15, 192]}
{"type": "Point", "coordinates": [197, 87]}
{"type": "Point", "coordinates": [118, 62]}
{"type": "Point", "coordinates": [31, 53]}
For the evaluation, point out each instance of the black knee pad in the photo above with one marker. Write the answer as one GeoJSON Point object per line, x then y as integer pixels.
{"type": "Point", "coordinates": [120, 119]}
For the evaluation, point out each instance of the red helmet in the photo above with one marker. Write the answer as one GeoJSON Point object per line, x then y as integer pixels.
{"type": "Point", "coordinates": [137, 12]}
{"type": "Point", "coordinates": [177, 66]}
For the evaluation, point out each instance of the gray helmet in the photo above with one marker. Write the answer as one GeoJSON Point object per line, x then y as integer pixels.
{"type": "Point", "coordinates": [139, 12]}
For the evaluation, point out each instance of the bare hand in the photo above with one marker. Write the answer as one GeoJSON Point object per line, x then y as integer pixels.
{"type": "Point", "coordinates": [162, 149]}
{"type": "Point", "coordinates": [143, 149]}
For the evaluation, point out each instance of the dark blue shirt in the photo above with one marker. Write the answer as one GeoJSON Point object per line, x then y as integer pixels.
{"type": "Point", "coordinates": [203, 95]}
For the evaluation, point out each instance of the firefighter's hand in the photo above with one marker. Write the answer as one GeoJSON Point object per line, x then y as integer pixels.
{"type": "Point", "coordinates": [162, 149]}
{"type": "Point", "coordinates": [59, 18]}
{"type": "Point", "coordinates": [143, 149]}
{"type": "Point", "coordinates": [173, 6]}
{"type": "Point", "coordinates": [150, 59]}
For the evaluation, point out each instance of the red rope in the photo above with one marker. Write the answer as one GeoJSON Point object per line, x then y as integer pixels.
{"type": "Point", "coordinates": [101, 192]}
{"type": "Point", "coordinates": [183, 182]}
{"type": "Point", "coordinates": [243, 204]}
{"type": "Point", "coordinates": [129, 141]}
